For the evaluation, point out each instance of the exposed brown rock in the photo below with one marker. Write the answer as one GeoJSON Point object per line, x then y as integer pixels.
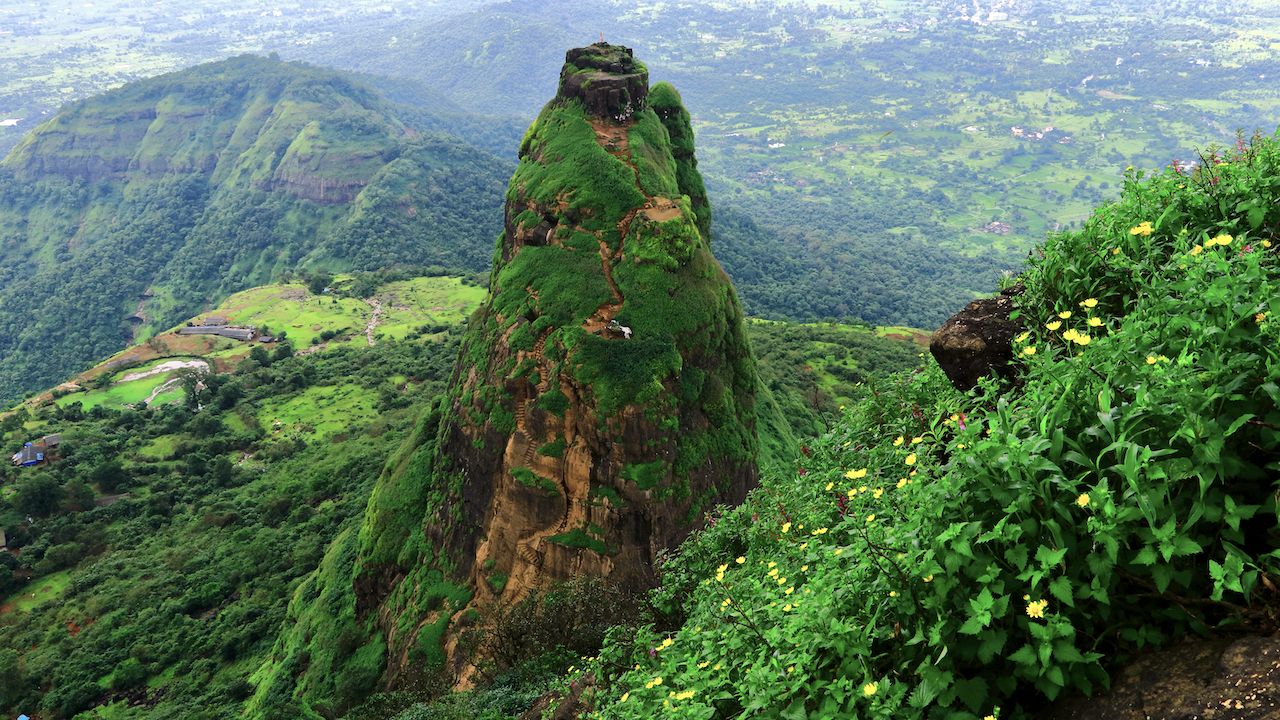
{"type": "Point", "coordinates": [607, 79]}
{"type": "Point", "coordinates": [1198, 680]}
{"type": "Point", "coordinates": [977, 341]}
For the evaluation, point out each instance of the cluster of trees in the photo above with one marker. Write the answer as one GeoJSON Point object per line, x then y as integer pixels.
{"type": "Point", "coordinates": [171, 539]}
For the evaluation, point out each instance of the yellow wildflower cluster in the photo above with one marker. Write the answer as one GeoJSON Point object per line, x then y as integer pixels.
{"type": "Point", "coordinates": [1083, 500]}
{"type": "Point", "coordinates": [1153, 359]}
{"type": "Point", "coordinates": [870, 689]}
{"type": "Point", "coordinates": [1143, 228]}
{"type": "Point", "coordinates": [1223, 240]}
{"type": "Point", "coordinates": [653, 683]}
{"type": "Point", "coordinates": [687, 694]}
{"type": "Point", "coordinates": [1089, 303]}
{"type": "Point", "coordinates": [1036, 609]}
{"type": "Point", "coordinates": [856, 474]}
{"type": "Point", "coordinates": [1078, 338]}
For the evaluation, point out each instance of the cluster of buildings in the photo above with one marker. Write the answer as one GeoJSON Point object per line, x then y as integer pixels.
{"type": "Point", "coordinates": [37, 452]}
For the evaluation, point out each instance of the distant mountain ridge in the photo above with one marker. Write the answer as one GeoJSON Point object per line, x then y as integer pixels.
{"type": "Point", "coordinates": [132, 210]}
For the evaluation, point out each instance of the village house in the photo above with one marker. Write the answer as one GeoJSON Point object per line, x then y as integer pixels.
{"type": "Point", "coordinates": [235, 333]}
{"type": "Point", "coordinates": [35, 453]}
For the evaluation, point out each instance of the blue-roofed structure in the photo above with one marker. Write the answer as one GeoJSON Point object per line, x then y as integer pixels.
{"type": "Point", "coordinates": [29, 455]}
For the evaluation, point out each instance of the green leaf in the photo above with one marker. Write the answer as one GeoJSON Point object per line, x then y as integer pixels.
{"type": "Point", "coordinates": [1025, 655]}
{"type": "Point", "coordinates": [1060, 588]}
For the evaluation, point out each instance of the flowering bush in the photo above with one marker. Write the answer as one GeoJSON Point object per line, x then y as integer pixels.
{"type": "Point", "coordinates": [977, 555]}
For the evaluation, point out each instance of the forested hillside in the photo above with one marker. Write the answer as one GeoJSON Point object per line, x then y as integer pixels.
{"type": "Point", "coordinates": [104, 608]}
{"type": "Point", "coordinates": [130, 211]}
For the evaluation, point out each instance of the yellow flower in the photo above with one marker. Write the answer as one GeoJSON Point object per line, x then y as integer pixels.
{"type": "Point", "coordinates": [878, 492]}
{"type": "Point", "coordinates": [1053, 325]}
{"type": "Point", "coordinates": [668, 643]}
{"type": "Point", "coordinates": [782, 581]}
{"type": "Point", "coordinates": [1115, 251]}
{"type": "Point", "coordinates": [787, 607]}
{"type": "Point", "coordinates": [893, 593]}
{"type": "Point", "coordinates": [703, 664]}
{"type": "Point", "coordinates": [1151, 359]}
{"type": "Point", "coordinates": [804, 568]}
{"type": "Point", "coordinates": [1069, 335]}
{"type": "Point", "coordinates": [839, 551]}
{"type": "Point", "coordinates": [740, 560]}
{"type": "Point", "coordinates": [625, 695]}
{"type": "Point", "coordinates": [989, 717]}
{"type": "Point", "coordinates": [870, 689]}
{"type": "Point", "coordinates": [684, 695]}
{"type": "Point", "coordinates": [1095, 322]}
{"type": "Point", "coordinates": [928, 578]}
{"type": "Point", "coordinates": [1083, 500]}
{"type": "Point", "coordinates": [1223, 239]}
{"type": "Point", "coordinates": [917, 440]}
{"type": "Point", "coordinates": [852, 493]}
{"type": "Point", "coordinates": [1082, 339]}
{"type": "Point", "coordinates": [830, 485]}
{"type": "Point", "coordinates": [1023, 337]}
{"type": "Point", "coordinates": [773, 564]}
{"type": "Point", "coordinates": [902, 483]}
{"type": "Point", "coordinates": [911, 459]}
{"type": "Point", "coordinates": [790, 590]}
{"type": "Point", "coordinates": [1029, 350]}
{"type": "Point", "coordinates": [773, 572]}
{"type": "Point", "coordinates": [856, 474]}
{"type": "Point", "coordinates": [899, 441]}
{"type": "Point", "coordinates": [1144, 229]}
{"type": "Point", "coordinates": [1196, 250]}
{"type": "Point", "coordinates": [716, 666]}
{"type": "Point", "coordinates": [1089, 303]}
{"type": "Point", "coordinates": [786, 527]}
{"type": "Point", "coordinates": [1064, 314]}
{"type": "Point", "coordinates": [722, 568]}
{"type": "Point", "coordinates": [1260, 318]}
{"type": "Point", "coordinates": [1266, 243]}
{"type": "Point", "coordinates": [871, 518]}
{"type": "Point", "coordinates": [1036, 609]}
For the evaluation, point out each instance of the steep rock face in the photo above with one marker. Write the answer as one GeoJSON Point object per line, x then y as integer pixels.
{"type": "Point", "coordinates": [607, 80]}
{"type": "Point", "coordinates": [605, 396]}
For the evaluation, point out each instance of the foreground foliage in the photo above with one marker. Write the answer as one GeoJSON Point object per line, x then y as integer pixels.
{"type": "Point", "coordinates": [950, 555]}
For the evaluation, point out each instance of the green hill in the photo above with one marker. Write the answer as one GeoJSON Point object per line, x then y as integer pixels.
{"type": "Point", "coordinates": [130, 211]}
{"type": "Point", "coordinates": [966, 555]}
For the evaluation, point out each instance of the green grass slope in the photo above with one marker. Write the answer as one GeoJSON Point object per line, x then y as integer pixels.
{"type": "Point", "coordinates": [130, 211]}
{"type": "Point", "coordinates": [167, 541]}
{"type": "Point", "coordinates": [950, 555]}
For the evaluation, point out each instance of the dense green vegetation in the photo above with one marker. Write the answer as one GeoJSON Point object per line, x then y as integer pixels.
{"type": "Point", "coordinates": [942, 554]}
{"type": "Point", "coordinates": [131, 211]}
{"type": "Point", "coordinates": [166, 542]}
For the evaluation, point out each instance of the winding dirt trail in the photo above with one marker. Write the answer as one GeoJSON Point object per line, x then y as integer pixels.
{"type": "Point", "coordinates": [376, 304]}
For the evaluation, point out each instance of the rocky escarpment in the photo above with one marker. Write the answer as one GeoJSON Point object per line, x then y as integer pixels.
{"type": "Point", "coordinates": [607, 80]}
{"type": "Point", "coordinates": [605, 397]}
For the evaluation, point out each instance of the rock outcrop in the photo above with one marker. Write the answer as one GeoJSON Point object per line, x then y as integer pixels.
{"type": "Point", "coordinates": [606, 79]}
{"type": "Point", "coordinates": [605, 396]}
{"type": "Point", "coordinates": [977, 341]}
